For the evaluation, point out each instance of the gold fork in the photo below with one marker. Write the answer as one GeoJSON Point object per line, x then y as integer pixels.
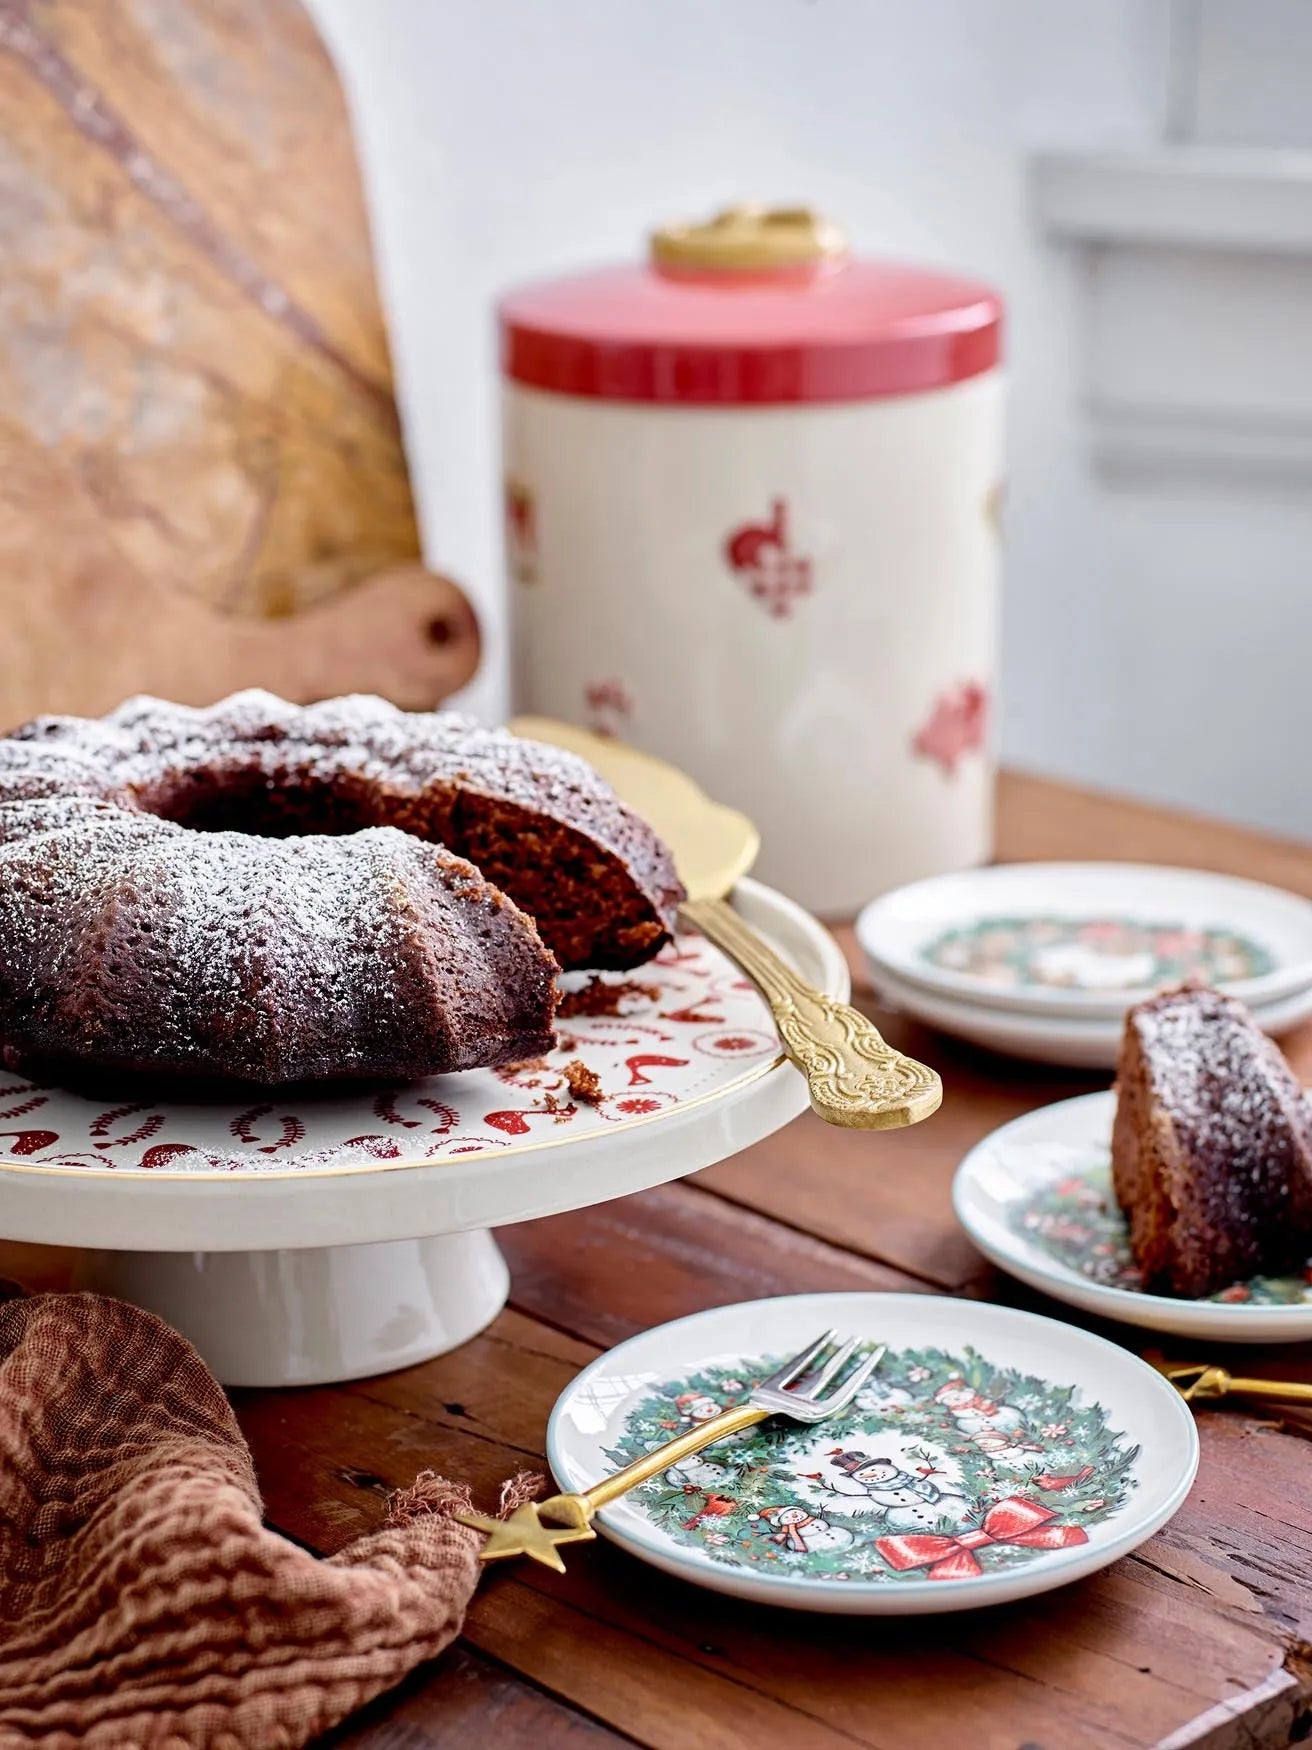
{"type": "Point", "coordinates": [1197, 1381]}
{"type": "Point", "coordinates": [535, 1529]}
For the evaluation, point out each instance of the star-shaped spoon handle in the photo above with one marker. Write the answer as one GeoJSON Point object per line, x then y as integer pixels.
{"type": "Point", "coordinates": [1200, 1381]}
{"type": "Point", "coordinates": [534, 1530]}
{"type": "Point", "coordinates": [538, 1527]}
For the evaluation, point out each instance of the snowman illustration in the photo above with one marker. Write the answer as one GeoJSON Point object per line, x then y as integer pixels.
{"type": "Point", "coordinates": [882, 1400]}
{"type": "Point", "coordinates": [696, 1406]}
{"type": "Point", "coordinates": [698, 1475]}
{"type": "Point", "coordinates": [989, 1426]}
{"type": "Point", "coordinates": [800, 1532]}
{"type": "Point", "coordinates": [908, 1502]}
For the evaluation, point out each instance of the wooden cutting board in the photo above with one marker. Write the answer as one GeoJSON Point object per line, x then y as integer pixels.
{"type": "Point", "coordinates": [202, 482]}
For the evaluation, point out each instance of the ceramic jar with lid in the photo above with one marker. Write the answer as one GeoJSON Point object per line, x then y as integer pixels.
{"type": "Point", "coordinates": [752, 493]}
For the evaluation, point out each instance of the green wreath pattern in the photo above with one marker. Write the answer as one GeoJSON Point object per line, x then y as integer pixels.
{"type": "Point", "coordinates": [1075, 1219]}
{"type": "Point", "coordinates": [1010, 951]}
{"type": "Point", "coordinates": [1065, 1460]}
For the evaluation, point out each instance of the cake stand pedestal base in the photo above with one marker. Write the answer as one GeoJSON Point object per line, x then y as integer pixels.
{"type": "Point", "coordinates": [316, 1315]}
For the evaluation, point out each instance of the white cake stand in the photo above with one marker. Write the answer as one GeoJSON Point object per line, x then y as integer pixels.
{"type": "Point", "coordinates": [350, 1234]}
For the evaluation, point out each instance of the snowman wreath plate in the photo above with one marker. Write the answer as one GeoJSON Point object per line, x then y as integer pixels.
{"type": "Point", "coordinates": [1035, 1196]}
{"type": "Point", "coordinates": [995, 1454]}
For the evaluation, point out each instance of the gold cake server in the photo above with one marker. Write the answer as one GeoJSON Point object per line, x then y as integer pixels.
{"type": "Point", "coordinates": [854, 1078]}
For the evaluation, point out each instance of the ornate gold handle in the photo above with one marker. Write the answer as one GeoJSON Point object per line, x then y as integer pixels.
{"type": "Point", "coordinates": [535, 1529]}
{"type": "Point", "coordinates": [854, 1078]}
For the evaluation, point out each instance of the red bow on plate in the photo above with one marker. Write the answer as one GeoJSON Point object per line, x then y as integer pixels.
{"type": "Point", "coordinates": [1014, 1521]}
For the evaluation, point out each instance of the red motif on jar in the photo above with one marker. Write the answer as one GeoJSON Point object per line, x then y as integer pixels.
{"type": "Point", "coordinates": [761, 557]}
{"type": "Point", "coordinates": [465, 1145]}
{"type": "Point", "coordinates": [515, 1120]}
{"type": "Point", "coordinates": [693, 1016]}
{"type": "Point", "coordinates": [521, 532]}
{"type": "Point", "coordinates": [382, 1148]}
{"type": "Point", "coordinates": [957, 726]}
{"type": "Point", "coordinates": [608, 705]}
{"type": "Point", "coordinates": [680, 954]}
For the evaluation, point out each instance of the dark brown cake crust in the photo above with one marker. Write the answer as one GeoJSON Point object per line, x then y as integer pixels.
{"type": "Point", "coordinates": [1211, 1147]}
{"type": "Point", "coordinates": [537, 821]}
{"type": "Point", "coordinates": [243, 891]}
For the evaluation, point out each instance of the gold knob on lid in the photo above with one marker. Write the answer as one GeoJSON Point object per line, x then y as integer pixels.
{"type": "Point", "coordinates": [749, 237]}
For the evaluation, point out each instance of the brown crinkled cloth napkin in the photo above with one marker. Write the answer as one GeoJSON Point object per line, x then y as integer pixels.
{"type": "Point", "coordinates": [142, 1601]}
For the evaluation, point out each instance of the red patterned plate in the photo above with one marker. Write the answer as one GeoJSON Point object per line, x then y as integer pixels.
{"type": "Point", "coordinates": [687, 1070]}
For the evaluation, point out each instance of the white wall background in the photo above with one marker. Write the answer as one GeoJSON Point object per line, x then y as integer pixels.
{"type": "Point", "coordinates": [1154, 643]}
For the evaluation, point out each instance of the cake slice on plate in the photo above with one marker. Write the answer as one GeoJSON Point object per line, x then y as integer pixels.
{"type": "Point", "coordinates": [1212, 1146]}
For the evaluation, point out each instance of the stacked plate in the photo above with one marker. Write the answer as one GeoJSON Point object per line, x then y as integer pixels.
{"type": "Point", "coordinates": [1041, 960]}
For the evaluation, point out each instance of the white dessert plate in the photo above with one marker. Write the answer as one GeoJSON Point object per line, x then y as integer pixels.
{"type": "Point", "coordinates": [1083, 940]}
{"type": "Point", "coordinates": [1035, 1196]}
{"type": "Point", "coordinates": [994, 1455]}
{"type": "Point", "coordinates": [1090, 1043]}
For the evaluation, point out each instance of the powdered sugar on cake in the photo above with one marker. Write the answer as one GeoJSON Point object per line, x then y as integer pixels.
{"type": "Point", "coordinates": [1211, 1146]}
{"type": "Point", "coordinates": [146, 738]}
{"type": "Point", "coordinates": [1229, 1090]}
{"type": "Point", "coordinates": [262, 891]}
{"type": "Point", "coordinates": [697, 1030]}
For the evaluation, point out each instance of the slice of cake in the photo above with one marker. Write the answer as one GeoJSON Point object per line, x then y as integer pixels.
{"type": "Point", "coordinates": [1212, 1146]}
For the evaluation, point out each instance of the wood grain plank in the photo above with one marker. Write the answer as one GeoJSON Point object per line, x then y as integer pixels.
{"type": "Point", "coordinates": [605, 1272]}
{"type": "Point", "coordinates": [1126, 1658]}
{"type": "Point", "coordinates": [1040, 819]}
{"type": "Point", "coordinates": [888, 1194]}
{"type": "Point", "coordinates": [663, 1690]}
{"type": "Point", "coordinates": [1199, 1640]}
{"type": "Point", "coordinates": [494, 1388]}
{"type": "Point", "coordinates": [330, 1457]}
{"type": "Point", "coordinates": [465, 1699]}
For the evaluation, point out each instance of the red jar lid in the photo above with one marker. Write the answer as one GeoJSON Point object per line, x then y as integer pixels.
{"type": "Point", "coordinates": [717, 320]}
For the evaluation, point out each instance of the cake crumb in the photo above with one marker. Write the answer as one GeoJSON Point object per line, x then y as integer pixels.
{"type": "Point", "coordinates": [508, 1071]}
{"type": "Point", "coordinates": [598, 997]}
{"type": "Point", "coordinates": [584, 1083]}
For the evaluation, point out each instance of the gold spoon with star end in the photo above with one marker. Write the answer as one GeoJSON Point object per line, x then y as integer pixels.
{"type": "Point", "coordinates": [854, 1078]}
{"type": "Point", "coordinates": [800, 1390]}
{"type": "Point", "coordinates": [1200, 1382]}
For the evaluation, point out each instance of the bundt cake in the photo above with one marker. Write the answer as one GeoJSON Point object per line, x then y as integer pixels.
{"type": "Point", "coordinates": [1211, 1148]}
{"type": "Point", "coordinates": [271, 893]}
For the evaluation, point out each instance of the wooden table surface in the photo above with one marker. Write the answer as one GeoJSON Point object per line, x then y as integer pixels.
{"type": "Point", "coordinates": [1201, 1638]}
